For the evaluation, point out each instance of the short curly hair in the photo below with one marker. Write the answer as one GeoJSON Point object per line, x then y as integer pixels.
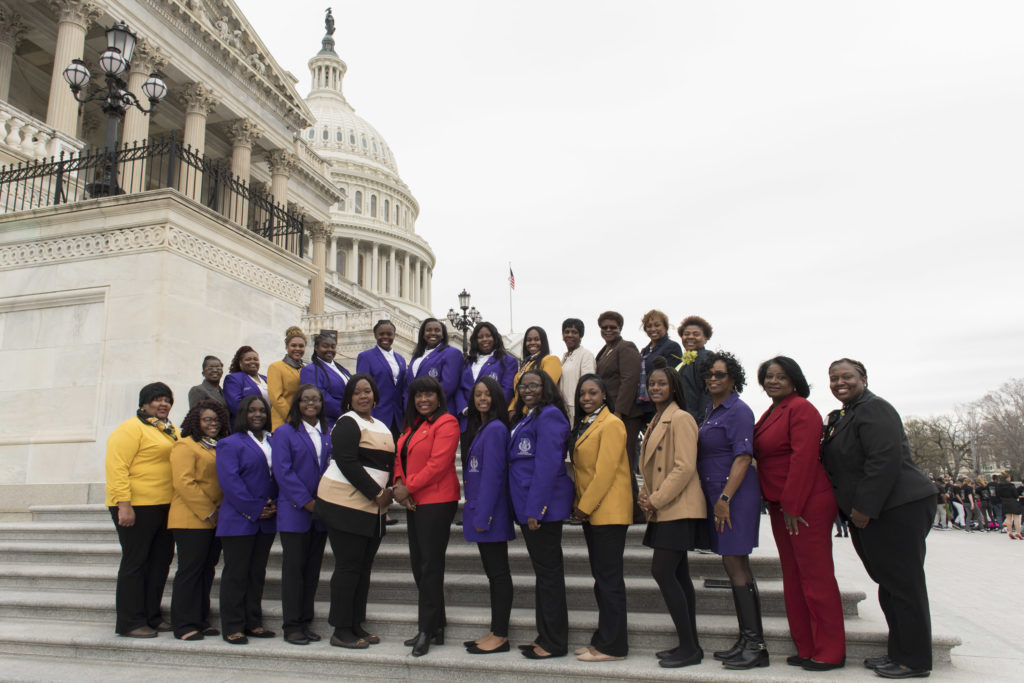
{"type": "Point", "coordinates": [190, 425]}
{"type": "Point", "coordinates": [654, 313]}
{"type": "Point", "coordinates": [700, 322]}
{"type": "Point", "coordinates": [614, 316]}
{"type": "Point", "coordinates": [732, 366]}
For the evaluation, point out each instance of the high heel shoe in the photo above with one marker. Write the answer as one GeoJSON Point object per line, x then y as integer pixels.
{"type": "Point", "coordinates": [436, 639]}
{"type": "Point", "coordinates": [421, 644]}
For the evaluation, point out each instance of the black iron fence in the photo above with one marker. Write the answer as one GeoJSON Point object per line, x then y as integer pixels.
{"type": "Point", "coordinates": [153, 164]}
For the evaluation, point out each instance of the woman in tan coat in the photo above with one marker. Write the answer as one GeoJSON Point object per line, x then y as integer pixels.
{"type": "Point", "coordinates": [672, 498]}
{"type": "Point", "coordinates": [604, 504]}
{"type": "Point", "coordinates": [192, 518]}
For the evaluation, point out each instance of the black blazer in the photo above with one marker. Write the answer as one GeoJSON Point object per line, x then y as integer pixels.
{"type": "Point", "coordinates": [697, 397]}
{"type": "Point", "coordinates": [867, 458]}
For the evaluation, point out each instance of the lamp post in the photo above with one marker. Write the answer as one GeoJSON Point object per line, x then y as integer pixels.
{"type": "Point", "coordinates": [466, 320]}
{"type": "Point", "coordinates": [116, 100]}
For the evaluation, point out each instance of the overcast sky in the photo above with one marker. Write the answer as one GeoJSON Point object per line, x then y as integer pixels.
{"type": "Point", "coordinates": [817, 179]}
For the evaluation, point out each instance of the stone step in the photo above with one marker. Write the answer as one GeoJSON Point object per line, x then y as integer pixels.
{"type": "Point", "coordinates": [59, 532]}
{"type": "Point", "coordinates": [92, 642]}
{"type": "Point", "coordinates": [397, 587]}
{"type": "Point", "coordinates": [462, 558]}
{"type": "Point", "coordinates": [647, 631]}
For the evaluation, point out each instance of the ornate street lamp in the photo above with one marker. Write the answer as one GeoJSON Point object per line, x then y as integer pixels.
{"type": "Point", "coordinates": [466, 320]}
{"type": "Point", "coordinates": [116, 100]}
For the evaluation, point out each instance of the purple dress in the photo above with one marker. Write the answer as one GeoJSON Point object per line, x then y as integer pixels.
{"type": "Point", "coordinates": [726, 432]}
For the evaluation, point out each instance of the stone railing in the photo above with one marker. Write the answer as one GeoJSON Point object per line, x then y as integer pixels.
{"type": "Point", "coordinates": [307, 155]}
{"type": "Point", "coordinates": [24, 137]}
{"type": "Point", "coordinates": [359, 321]}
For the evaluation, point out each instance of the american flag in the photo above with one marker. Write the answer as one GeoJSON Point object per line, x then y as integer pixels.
{"type": "Point", "coordinates": [511, 279]}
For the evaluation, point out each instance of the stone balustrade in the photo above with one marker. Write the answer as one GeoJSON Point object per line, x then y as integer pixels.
{"type": "Point", "coordinates": [359, 321]}
{"type": "Point", "coordinates": [24, 137]}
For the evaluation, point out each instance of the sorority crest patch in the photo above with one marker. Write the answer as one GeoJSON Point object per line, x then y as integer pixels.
{"type": "Point", "coordinates": [474, 464]}
{"type": "Point", "coordinates": [525, 447]}
{"type": "Point", "coordinates": [433, 373]}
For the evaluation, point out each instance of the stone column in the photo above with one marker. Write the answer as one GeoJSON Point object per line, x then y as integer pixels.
{"type": "Point", "coordinates": [405, 279]}
{"type": "Point", "coordinates": [12, 29]}
{"type": "Point", "coordinates": [428, 286]}
{"type": "Point", "coordinates": [352, 272]}
{"type": "Point", "coordinates": [332, 254]}
{"type": "Point", "coordinates": [242, 133]}
{"type": "Point", "coordinates": [282, 164]}
{"type": "Point", "coordinates": [319, 232]}
{"type": "Point", "coordinates": [393, 273]}
{"type": "Point", "coordinates": [374, 265]}
{"type": "Point", "coordinates": [145, 60]}
{"type": "Point", "coordinates": [198, 100]}
{"type": "Point", "coordinates": [73, 19]}
{"type": "Point", "coordinates": [418, 287]}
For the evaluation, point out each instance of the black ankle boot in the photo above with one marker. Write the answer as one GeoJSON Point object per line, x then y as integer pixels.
{"type": "Point", "coordinates": [737, 647]}
{"type": "Point", "coordinates": [754, 652]}
{"type": "Point", "coordinates": [437, 639]}
{"type": "Point", "coordinates": [421, 644]}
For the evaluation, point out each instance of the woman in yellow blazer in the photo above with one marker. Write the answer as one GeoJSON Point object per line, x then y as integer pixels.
{"type": "Point", "coordinates": [536, 356]}
{"type": "Point", "coordinates": [604, 504]}
{"type": "Point", "coordinates": [193, 518]}
{"type": "Point", "coordinates": [674, 502]}
{"type": "Point", "coordinates": [283, 377]}
{"type": "Point", "coordinates": [138, 495]}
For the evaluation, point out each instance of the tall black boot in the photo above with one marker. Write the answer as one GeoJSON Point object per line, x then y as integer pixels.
{"type": "Point", "coordinates": [737, 647]}
{"type": "Point", "coordinates": [754, 652]}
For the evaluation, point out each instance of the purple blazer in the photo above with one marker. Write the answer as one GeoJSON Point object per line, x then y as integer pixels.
{"type": "Point", "coordinates": [537, 479]}
{"type": "Point", "coordinates": [297, 471]}
{"type": "Point", "coordinates": [485, 475]}
{"type": "Point", "coordinates": [503, 370]}
{"type": "Point", "coordinates": [238, 385]}
{"type": "Point", "coordinates": [390, 409]}
{"type": "Point", "coordinates": [444, 365]}
{"type": "Point", "coordinates": [247, 483]}
{"type": "Point", "coordinates": [328, 382]}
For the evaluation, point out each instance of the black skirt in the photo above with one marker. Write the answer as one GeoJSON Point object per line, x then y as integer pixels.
{"type": "Point", "coordinates": [677, 534]}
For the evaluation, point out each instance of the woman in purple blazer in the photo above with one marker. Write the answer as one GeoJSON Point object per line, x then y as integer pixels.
{"type": "Point", "coordinates": [487, 514]}
{"type": "Point", "coordinates": [327, 375]}
{"type": "Point", "coordinates": [245, 523]}
{"type": "Point", "coordinates": [244, 379]}
{"type": "Point", "coordinates": [487, 358]}
{"type": "Point", "coordinates": [387, 367]}
{"type": "Point", "coordinates": [302, 451]}
{"type": "Point", "coordinates": [434, 358]}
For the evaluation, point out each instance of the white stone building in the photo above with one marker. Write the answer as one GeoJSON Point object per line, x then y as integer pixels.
{"type": "Point", "coordinates": [202, 252]}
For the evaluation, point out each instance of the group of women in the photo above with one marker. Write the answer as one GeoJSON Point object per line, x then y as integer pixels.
{"type": "Point", "coordinates": [345, 446]}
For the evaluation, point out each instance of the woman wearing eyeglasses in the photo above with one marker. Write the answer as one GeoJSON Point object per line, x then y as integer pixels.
{"type": "Point", "coordinates": [542, 496]}
{"type": "Point", "coordinates": [724, 452]}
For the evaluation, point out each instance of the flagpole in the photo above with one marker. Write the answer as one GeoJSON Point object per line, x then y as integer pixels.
{"type": "Point", "coordinates": [510, 288]}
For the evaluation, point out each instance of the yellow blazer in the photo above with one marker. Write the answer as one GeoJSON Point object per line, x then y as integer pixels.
{"type": "Point", "coordinates": [282, 383]}
{"type": "Point", "coordinates": [196, 490]}
{"type": "Point", "coordinates": [549, 364]}
{"type": "Point", "coordinates": [668, 463]}
{"type": "Point", "coordinates": [138, 470]}
{"type": "Point", "coordinates": [601, 470]}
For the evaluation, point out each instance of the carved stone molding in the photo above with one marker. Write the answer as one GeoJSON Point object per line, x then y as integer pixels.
{"type": "Point", "coordinates": [81, 12]}
{"type": "Point", "coordinates": [198, 98]}
{"type": "Point", "coordinates": [244, 132]}
{"type": "Point", "coordinates": [282, 161]}
{"type": "Point", "coordinates": [12, 28]}
{"type": "Point", "coordinates": [147, 57]}
{"type": "Point", "coordinates": [318, 230]}
{"type": "Point", "coordinates": [129, 240]}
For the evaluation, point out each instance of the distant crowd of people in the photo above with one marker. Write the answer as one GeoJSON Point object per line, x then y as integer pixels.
{"type": "Point", "coordinates": [316, 453]}
{"type": "Point", "coordinates": [979, 505]}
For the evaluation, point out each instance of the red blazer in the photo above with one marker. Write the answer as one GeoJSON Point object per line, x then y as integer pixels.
{"type": "Point", "coordinates": [787, 443]}
{"type": "Point", "coordinates": [429, 473]}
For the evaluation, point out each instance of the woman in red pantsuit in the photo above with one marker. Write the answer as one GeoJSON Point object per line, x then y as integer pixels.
{"type": "Point", "coordinates": [802, 507]}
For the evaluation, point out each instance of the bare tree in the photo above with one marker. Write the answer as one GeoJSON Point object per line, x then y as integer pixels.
{"type": "Point", "coordinates": [1002, 412]}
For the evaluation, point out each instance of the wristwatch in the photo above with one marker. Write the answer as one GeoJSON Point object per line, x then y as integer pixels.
{"type": "Point", "coordinates": [724, 497]}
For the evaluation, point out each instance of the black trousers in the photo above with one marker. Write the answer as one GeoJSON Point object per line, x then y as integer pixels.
{"type": "Point", "coordinates": [494, 557]}
{"type": "Point", "coordinates": [241, 581]}
{"type": "Point", "coordinates": [302, 555]}
{"type": "Point", "coordinates": [671, 571]}
{"type": "Point", "coordinates": [429, 529]}
{"type": "Point", "coordinates": [198, 554]}
{"type": "Point", "coordinates": [892, 549]}
{"type": "Point", "coordinates": [350, 582]}
{"type": "Point", "coordinates": [605, 545]}
{"type": "Point", "coordinates": [147, 549]}
{"type": "Point", "coordinates": [634, 425]}
{"type": "Point", "coordinates": [552, 614]}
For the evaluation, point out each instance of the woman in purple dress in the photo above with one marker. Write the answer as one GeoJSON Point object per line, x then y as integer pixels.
{"type": "Point", "coordinates": [724, 448]}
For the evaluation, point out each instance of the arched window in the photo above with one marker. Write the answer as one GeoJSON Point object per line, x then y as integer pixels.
{"type": "Point", "coordinates": [326, 135]}
{"type": "Point", "coordinates": [311, 134]}
{"type": "Point", "coordinates": [364, 141]}
{"type": "Point", "coordinates": [397, 207]}
{"type": "Point", "coordinates": [373, 206]}
{"type": "Point", "coordinates": [359, 201]}
{"type": "Point", "coordinates": [339, 136]}
{"type": "Point", "coordinates": [387, 210]}
{"type": "Point", "coordinates": [374, 146]}
{"type": "Point", "coordinates": [351, 138]}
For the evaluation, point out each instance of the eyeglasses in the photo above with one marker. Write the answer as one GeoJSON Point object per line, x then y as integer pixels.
{"type": "Point", "coordinates": [609, 328]}
{"type": "Point", "coordinates": [531, 387]}
{"type": "Point", "coordinates": [718, 374]}
{"type": "Point", "coordinates": [311, 399]}
{"type": "Point", "coordinates": [209, 420]}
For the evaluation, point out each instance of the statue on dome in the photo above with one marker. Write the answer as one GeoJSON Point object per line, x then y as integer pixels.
{"type": "Point", "coordinates": [329, 22]}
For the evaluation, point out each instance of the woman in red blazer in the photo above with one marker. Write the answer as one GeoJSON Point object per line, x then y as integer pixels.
{"type": "Point", "coordinates": [802, 506]}
{"type": "Point", "coordinates": [426, 484]}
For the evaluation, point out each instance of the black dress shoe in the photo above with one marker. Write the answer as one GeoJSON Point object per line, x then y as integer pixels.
{"type": "Point", "coordinates": [421, 644]}
{"type": "Point", "coordinates": [260, 633]}
{"type": "Point", "coordinates": [311, 636]}
{"type": "Point", "coordinates": [680, 659]}
{"type": "Point", "coordinates": [296, 638]}
{"type": "Point", "coordinates": [211, 631]}
{"type": "Point", "coordinates": [475, 650]}
{"type": "Point", "coordinates": [438, 638]}
{"type": "Point", "coordinates": [894, 670]}
{"type": "Point", "coordinates": [371, 638]}
{"type": "Point", "coordinates": [532, 654]}
{"type": "Point", "coordinates": [814, 665]}
{"type": "Point", "coordinates": [796, 660]}
{"type": "Point", "coordinates": [468, 643]}
{"type": "Point", "coordinates": [666, 653]}
{"type": "Point", "coordinates": [875, 662]}
{"type": "Point", "coordinates": [524, 648]}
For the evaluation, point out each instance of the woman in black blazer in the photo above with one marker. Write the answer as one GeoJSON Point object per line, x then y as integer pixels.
{"type": "Point", "coordinates": [891, 503]}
